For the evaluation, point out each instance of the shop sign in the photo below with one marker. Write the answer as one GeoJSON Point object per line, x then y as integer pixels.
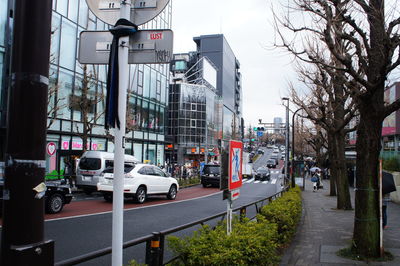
{"type": "Point", "coordinates": [76, 145]}
{"type": "Point", "coordinates": [51, 148]}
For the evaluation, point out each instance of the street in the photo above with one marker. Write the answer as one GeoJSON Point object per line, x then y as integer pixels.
{"type": "Point", "coordinates": [85, 225]}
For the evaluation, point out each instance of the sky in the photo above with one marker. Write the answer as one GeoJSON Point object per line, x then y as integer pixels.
{"type": "Point", "coordinates": [247, 26]}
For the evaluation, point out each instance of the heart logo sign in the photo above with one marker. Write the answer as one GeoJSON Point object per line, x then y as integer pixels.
{"type": "Point", "coordinates": [51, 148]}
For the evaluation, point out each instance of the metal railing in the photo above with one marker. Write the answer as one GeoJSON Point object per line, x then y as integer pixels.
{"type": "Point", "coordinates": [155, 242]}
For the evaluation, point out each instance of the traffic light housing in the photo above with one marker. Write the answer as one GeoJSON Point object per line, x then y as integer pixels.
{"type": "Point", "coordinates": [259, 129]}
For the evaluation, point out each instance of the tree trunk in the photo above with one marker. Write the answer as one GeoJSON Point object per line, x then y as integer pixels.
{"type": "Point", "coordinates": [332, 167]}
{"type": "Point", "coordinates": [366, 220]}
{"type": "Point", "coordinates": [343, 193]}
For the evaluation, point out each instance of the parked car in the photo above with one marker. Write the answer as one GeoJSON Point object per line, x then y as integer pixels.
{"type": "Point", "coordinates": [263, 173]}
{"type": "Point", "coordinates": [211, 175]}
{"type": "Point", "coordinates": [92, 164]}
{"type": "Point", "coordinates": [140, 181]}
{"type": "Point", "coordinates": [271, 163]}
{"type": "Point", "coordinates": [58, 193]}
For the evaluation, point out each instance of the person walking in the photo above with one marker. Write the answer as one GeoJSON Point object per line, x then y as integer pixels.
{"type": "Point", "coordinates": [316, 180]}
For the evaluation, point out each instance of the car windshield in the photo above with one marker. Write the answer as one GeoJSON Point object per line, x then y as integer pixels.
{"type": "Point", "coordinates": [90, 163]}
{"type": "Point", "coordinates": [271, 161]}
{"type": "Point", "coordinates": [262, 170]}
{"type": "Point", "coordinates": [211, 169]}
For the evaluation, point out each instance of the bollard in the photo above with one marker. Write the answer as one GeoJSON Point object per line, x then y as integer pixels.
{"type": "Point", "coordinates": [242, 214]}
{"type": "Point", "coordinates": [153, 248]}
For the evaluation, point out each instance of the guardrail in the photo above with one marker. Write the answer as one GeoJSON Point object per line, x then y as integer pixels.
{"type": "Point", "coordinates": [155, 242]}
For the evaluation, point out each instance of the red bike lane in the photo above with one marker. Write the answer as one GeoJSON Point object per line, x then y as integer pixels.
{"type": "Point", "coordinates": [87, 207]}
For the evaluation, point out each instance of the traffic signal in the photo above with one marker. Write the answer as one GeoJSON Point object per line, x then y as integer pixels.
{"type": "Point", "coordinates": [259, 129]}
{"type": "Point", "coordinates": [253, 139]}
{"type": "Point", "coordinates": [255, 128]}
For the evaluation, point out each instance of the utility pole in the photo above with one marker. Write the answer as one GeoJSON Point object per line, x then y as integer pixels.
{"type": "Point", "coordinates": [23, 222]}
{"type": "Point", "coordinates": [287, 141]}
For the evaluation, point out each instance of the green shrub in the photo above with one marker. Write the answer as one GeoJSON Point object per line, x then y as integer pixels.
{"type": "Point", "coordinates": [391, 164]}
{"type": "Point", "coordinates": [285, 212]}
{"type": "Point", "coordinates": [188, 181]}
{"type": "Point", "coordinates": [250, 243]}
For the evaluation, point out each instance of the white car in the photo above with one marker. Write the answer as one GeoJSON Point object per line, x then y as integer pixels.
{"type": "Point", "coordinates": [140, 181]}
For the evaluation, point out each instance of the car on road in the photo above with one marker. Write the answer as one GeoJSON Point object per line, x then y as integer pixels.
{"type": "Point", "coordinates": [262, 173]}
{"type": "Point", "coordinates": [283, 157]}
{"type": "Point", "coordinates": [260, 151]}
{"type": "Point", "coordinates": [276, 150]}
{"type": "Point", "coordinates": [271, 163]}
{"type": "Point", "coordinates": [140, 182]}
{"type": "Point", "coordinates": [211, 175]}
{"type": "Point", "coordinates": [92, 164]}
{"type": "Point", "coordinates": [57, 194]}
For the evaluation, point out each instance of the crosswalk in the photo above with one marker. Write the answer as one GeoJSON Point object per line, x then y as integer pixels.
{"type": "Point", "coordinates": [252, 180]}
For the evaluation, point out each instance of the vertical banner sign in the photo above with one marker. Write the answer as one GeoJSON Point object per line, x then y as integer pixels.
{"type": "Point", "coordinates": [235, 164]}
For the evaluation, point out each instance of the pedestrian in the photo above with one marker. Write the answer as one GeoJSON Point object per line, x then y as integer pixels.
{"type": "Point", "coordinates": [316, 180]}
{"type": "Point", "coordinates": [385, 200]}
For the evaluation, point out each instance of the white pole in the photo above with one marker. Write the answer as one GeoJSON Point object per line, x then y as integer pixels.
{"type": "Point", "coordinates": [118, 195]}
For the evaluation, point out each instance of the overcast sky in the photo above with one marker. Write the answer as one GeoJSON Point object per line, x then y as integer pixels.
{"type": "Point", "coordinates": [247, 27]}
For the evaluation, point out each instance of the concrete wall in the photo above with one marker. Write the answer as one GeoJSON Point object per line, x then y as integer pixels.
{"type": "Point", "coordinates": [395, 196]}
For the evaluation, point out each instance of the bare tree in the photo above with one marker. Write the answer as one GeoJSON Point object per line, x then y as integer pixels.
{"type": "Point", "coordinates": [85, 102]}
{"type": "Point", "coordinates": [372, 42]}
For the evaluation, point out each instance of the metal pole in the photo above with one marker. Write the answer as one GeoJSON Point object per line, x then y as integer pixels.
{"type": "Point", "coordinates": [118, 194]}
{"type": "Point", "coordinates": [287, 141]}
{"type": "Point", "coordinates": [23, 222]}
{"type": "Point", "coordinates": [206, 149]}
{"type": "Point", "coordinates": [292, 165]}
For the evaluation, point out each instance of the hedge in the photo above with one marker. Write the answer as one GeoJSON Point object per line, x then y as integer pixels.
{"type": "Point", "coordinates": [250, 243]}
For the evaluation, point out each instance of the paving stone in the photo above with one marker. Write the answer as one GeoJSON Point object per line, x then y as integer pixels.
{"type": "Point", "coordinates": [323, 230]}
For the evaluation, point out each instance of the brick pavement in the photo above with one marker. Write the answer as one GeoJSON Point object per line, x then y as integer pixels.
{"type": "Point", "coordinates": [323, 230]}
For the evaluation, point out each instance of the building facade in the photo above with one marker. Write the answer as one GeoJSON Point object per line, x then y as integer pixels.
{"type": "Point", "coordinates": [70, 82]}
{"type": "Point", "coordinates": [229, 81]}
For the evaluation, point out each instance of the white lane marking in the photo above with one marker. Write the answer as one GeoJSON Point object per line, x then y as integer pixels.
{"type": "Point", "coordinates": [129, 209]}
{"type": "Point", "coordinates": [256, 182]}
{"type": "Point", "coordinates": [273, 181]}
{"type": "Point", "coordinates": [264, 182]}
{"type": "Point", "coordinates": [249, 180]}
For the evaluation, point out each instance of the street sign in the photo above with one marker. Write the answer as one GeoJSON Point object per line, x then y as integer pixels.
{"type": "Point", "coordinates": [235, 164]}
{"type": "Point", "coordinates": [142, 11]}
{"type": "Point", "coordinates": [260, 133]}
{"type": "Point", "coordinates": [145, 47]}
{"type": "Point", "coordinates": [51, 148]}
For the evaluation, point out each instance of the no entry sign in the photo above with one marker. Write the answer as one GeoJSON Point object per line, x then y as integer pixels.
{"type": "Point", "coordinates": [235, 164]}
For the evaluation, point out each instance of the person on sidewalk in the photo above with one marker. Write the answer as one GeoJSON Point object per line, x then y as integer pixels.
{"type": "Point", "coordinates": [385, 200]}
{"type": "Point", "coordinates": [316, 180]}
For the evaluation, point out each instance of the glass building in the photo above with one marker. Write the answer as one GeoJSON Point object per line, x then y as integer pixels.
{"type": "Point", "coordinates": [69, 121]}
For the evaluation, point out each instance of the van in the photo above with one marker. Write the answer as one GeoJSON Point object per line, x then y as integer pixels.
{"type": "Point", "coordinates": [91, 165]}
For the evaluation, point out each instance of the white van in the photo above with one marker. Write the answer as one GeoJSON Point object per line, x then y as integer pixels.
{"type": "Point", "coordinates": [92, 164]}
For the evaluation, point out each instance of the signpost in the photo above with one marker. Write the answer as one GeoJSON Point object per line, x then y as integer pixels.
{"type": "Point", "coordinates": [146, 47]}
{"type": "Point", "coordinates": [235, 178]}
{"type": "Point", "coordinates": [139, 12]}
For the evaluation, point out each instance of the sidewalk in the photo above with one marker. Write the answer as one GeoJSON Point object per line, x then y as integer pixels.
{"type": "Point", "coordinates": [323, 230]}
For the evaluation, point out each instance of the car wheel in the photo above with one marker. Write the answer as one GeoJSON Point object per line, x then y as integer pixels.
{"type": "Point", "coordinates": [54, 203]}
{"type": "Point", "coordinates": [140, 195]}
{"type": "Point", "coordinates": [172, 193]}
{"type": "Point", "coordinates": [204, 185]}
{"type": "Point", "coordinates": [108, 197]}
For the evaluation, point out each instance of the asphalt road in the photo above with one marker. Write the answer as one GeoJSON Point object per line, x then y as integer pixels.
{"type": "Point", "coordinates": [75, 236]}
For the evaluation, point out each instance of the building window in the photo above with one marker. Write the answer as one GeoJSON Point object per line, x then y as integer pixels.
{"type": "Point", "coordinates": [192, 122]}
{"type": "Point", "coordinates": [68, 44]}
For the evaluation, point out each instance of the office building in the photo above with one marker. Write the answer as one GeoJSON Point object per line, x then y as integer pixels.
{"type": "Point", "coordinates": [147, 97]}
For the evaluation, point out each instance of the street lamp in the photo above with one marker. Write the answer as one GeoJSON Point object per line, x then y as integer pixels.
{"type": "Point", "coordinates": [292, 165]}
{"type": "Point", "coordinates": [286, 140]}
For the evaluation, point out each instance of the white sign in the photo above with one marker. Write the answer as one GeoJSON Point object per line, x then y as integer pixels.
{"type": "Point", "coordinates": [142, 11]}
{"type": "Point", "coordinates": [145, 47]}
{"type": "Point", "coordinates": [51, 148]}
